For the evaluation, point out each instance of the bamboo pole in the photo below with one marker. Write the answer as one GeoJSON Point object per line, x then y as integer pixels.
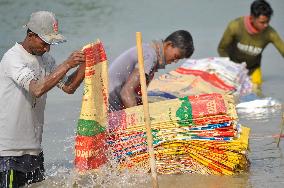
{"type": "Point", "coordinates": [281, 131]}
{"type": "Point", "coordinates": [146, 110]}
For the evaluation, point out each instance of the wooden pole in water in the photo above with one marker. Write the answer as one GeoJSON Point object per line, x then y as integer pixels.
{"type": "Point", "coordinates": [281, 131]}
{"type": "Point", "coordinates": [146, 110]}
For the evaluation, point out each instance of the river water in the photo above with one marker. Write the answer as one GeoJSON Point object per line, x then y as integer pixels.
{"type": "Point", "coordinates": [115, 23]}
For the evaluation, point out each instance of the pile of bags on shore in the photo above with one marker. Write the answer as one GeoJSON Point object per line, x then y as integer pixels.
{"type": "Point", "coordinates": [195, 134]}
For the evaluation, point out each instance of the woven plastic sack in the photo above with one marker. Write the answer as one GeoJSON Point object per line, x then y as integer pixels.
{"type": "Point", "coordinates": [182, 85]}
{"type": "Point", "coordinates": [91, 140]}
{"type": "Point", "coordinates": [90, 151]}
{"type": "Point", "coordinates": [216, 108]}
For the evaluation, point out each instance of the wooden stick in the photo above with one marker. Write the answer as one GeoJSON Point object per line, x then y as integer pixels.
{"type": "Point", "coordinates": [146, 109]}
{"type": "Point", "coordinates": [281, 131]}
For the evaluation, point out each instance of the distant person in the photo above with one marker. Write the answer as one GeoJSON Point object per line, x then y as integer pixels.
{"type": "Point", "coordinates": [246, 37]}
{"type": "Point", "coordinates": [27, 73]}
{"type": "Point", "coordinates": [124, 80]}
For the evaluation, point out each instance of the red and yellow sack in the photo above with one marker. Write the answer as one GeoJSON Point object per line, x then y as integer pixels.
{"type": "Point", "coordinates": [90, 147]}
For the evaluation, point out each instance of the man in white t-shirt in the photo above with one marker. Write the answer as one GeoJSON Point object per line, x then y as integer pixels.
{"type": "Point", "coordinates": [27, 73]}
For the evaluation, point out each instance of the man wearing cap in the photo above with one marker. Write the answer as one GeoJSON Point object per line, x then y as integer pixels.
{"type": "Point", "coordinates": [27, 73]}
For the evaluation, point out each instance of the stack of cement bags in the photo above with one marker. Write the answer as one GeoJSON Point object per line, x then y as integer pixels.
{"type": "Point", "coordinates": [195, 134]}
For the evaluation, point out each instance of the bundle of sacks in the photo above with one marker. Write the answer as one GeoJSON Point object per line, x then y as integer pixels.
{"type": "Point", "coordinates": [90, 142]}
{"type": "Point", "coordinates": [195, 134]}
{"type": "Point", "coordinates": [202, 76]}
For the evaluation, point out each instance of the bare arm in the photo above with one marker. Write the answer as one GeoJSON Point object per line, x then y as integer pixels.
{"type": "Point", "coordinates": [75, 79]}
{"type": "Point", "coordinates": [38, 87]}
{"type": "Point", "coordinates": [127, 93]}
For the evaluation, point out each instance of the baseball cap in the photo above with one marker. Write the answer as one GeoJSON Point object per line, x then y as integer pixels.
{"type": "Point", "coordinates": [45, 25]}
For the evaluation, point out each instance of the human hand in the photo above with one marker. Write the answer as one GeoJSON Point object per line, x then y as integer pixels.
{"type": "Point", "coordinates": [75, 59]}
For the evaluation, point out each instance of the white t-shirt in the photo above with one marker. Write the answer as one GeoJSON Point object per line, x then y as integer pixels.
{"type": "Point", "coordinates": [21, 115]}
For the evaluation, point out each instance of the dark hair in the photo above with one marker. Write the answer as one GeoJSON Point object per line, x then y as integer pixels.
{"type": "Point", "coordinates": [261, 7]}
{"type": "Point", "coordinates": [183, 40]}
{"type": "Point", "coordinates": [30, 31]}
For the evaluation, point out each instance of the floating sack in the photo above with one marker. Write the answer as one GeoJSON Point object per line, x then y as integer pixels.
{"type": "Point", "coordinates": [91, 139]}
{"type": "Point", "coordinates": [253, 107]}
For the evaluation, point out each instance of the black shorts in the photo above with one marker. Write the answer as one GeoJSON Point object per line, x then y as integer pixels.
{"type": "Point", "coordinates": [22, 170]}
